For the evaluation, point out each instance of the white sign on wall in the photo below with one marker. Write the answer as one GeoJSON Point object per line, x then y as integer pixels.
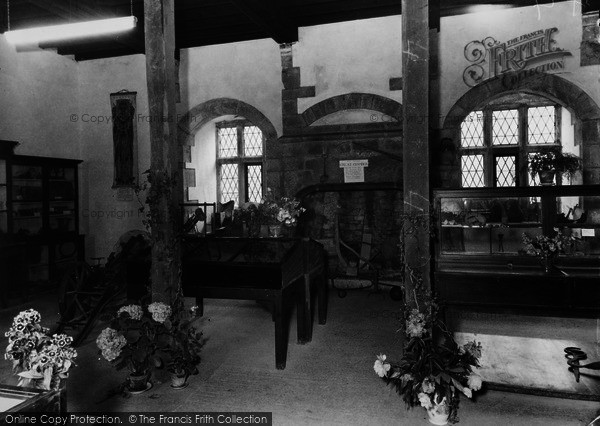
{"type": "Point", "coordinates": [354, 170]}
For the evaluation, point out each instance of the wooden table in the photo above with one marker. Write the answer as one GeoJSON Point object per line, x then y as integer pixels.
{"type": "Point", "coordinates": [268, 269]}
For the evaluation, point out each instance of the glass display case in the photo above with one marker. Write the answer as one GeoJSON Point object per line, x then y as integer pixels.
{"type": "Point", "coordinates": [39, 216]}
{"type": "Point", "coordinates": [492, 221]}
{"type": "Point", "coordinates": [482, 262]}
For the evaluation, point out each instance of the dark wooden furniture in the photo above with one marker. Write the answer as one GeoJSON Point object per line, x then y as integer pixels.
{"type": "Point", "coordinates": [267, 269]}
{"type": "Point", "coordinates": [39, 218]}
{"type": "Point", "coordinates": [481, 261]}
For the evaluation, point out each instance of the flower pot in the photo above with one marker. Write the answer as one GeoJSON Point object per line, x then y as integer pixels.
{"type": "Point", "coordinates": [138, 382]}
{"type": "Point", "coordinates": [178, 381]}
{"type": "Point", "coordinates": [546, 177]}
{"type": "Point", "coordinates": [438, 414]}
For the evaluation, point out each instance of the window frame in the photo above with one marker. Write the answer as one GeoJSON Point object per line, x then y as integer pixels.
{"type": "Point", "coordinates": [521, 150]}
{"type": "Point", "coordinates": [240, 159]}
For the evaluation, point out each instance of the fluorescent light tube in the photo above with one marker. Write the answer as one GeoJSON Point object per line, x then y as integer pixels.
{"type": "Point", "coordinates": [70, 31]}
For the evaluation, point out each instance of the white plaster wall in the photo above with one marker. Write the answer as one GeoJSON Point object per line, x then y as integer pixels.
{"type": "Point", "coordinates": [354, 56]}
{"type": "Point", "coordinates": [247, 71]}
{"type": "Point", "coordinates": [104, 218]}
{"type": "Point", "coordinates": [38, 94]}
{"type": "Point", "coordinates": [204, 153]}
{"type": "Point", "coordinates": [505, 25]}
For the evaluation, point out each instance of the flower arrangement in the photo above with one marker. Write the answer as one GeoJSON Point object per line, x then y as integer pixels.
{"type": "Point", "coordinates": [432, 372]}
{"type": "Point", "coordinates": [543, 245]}
{"type": "Point", "coordinates": [270, 211]}
{"type": "Point", "coordinates": [554, 161]}
{"type": "Point", "coordinates": [283, 211]}
{"type": "Point", "coordinates": [140, 339]}
{"type": "Point", "coordinates": [40, 360]}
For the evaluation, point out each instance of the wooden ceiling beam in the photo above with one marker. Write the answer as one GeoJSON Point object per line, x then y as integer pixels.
{"type": "Point", "coordinates": [271, 17]}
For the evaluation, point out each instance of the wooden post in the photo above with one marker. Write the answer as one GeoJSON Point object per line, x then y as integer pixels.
{"type": "Point", "coordinates": [415, 100]}
{"type": "Point", "coordinates": [166, 155]}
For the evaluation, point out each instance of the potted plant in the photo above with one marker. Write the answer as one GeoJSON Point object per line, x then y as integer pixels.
{"type": "Point", "coordinates": [134, 340]}
{"type": "Point", "coordinates": [432, 372]}
{"type": "Point", "coordinates": [184, 348]}
{"type": "Point", "coordinates": [547, 164]}
{"type": "Point", "coordinates": [40, 360]}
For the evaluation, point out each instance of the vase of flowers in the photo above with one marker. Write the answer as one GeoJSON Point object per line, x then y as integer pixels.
{"type": "Point", "coordinates": [545, 247]}
{"type": "Point", "coordinates": [281, 213]}
{"type": "Point", "coordinates": [40, 360]}
{"type": "Point", "coordinates": [432, 372]}
{"type": "Point", "coordinates": [546, 164]}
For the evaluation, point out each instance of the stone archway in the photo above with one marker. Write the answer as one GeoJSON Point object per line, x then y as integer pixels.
{"type": "Point", "coordinates": [349, 101]}
{"type": "Point", "coordinates": [203, 113]}
{"type": "Point", "coordinates": [550, 86]}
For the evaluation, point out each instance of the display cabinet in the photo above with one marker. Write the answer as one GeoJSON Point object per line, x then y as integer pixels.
{"type": "Point", "coordinates": [481, 260]}
{"type": "Point", "coordinates": [39, 220]}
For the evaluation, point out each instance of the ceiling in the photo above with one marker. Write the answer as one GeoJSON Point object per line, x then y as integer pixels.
{"type": "Point", "coordinates": [206, 22]}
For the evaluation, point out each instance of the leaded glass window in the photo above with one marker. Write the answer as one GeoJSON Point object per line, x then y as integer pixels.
{"type": "Point", "coordinates": [542, 125]}
{"type": "Point", "coordinates": [229, 182]}
{"type": "Point", "coordinates": [471, 130]}
{"type": "Point", "coordinates": [506, 171]}
{"type": "Point", "coordinates": [496, 141]}
{"type": "Point", "coordinates": [239, 161]}
{"type": "Point", "coordinates": [472, 171]}
{"type": "Point", "coordinates": [505, 127]}
{"type": "Point", "coordinates": [254, 179]}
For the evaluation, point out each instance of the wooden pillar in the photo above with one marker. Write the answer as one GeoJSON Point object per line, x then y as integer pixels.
{"type": "Point", "coordinates": [415, 101]}
{"type": "Point", "coordinates": [165, 154]}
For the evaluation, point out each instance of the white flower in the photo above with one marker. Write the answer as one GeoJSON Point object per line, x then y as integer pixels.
{"type": "Point", "coordinates": [134, 311]}
{"type": "Point", "coordinates": [111, 343]}
{"type": "Point", "coordinates": [467, 392]}
{"type": "Point", "coordinates": [406, 378]}
{"type": "Point", "coordinates": [381, 367]}
{"type": "Point", "coordinates": [425, 400]}
{"type": "Point", "coordinates": [427, 386]}
{"type": "Point", "coordinates": [415, 325]}
{"type": "Point", "coordinates": [160, 311]}
{"type": "Point", "coordinates": [474, 382]}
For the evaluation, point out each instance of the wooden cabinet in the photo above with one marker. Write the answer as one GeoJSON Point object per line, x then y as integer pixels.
{"type": "Point", "coordinates": [481, 260]}
{"type": "Point", "coordinates": [39, 218]}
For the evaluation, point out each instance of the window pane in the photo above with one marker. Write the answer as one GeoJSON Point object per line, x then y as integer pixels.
{"type": "Point", "coordinates": [505, 127]}
{"type": "Point", "coordinates": [254, 183]}
{"type": "Point", "coordinates": [541, 125]}
{"type": "Point", "coordinates": [506, 171]}
{"type": "Point", "coordinates": [472, 171]}
{"type": "Point", "coordinates": [229, 183]}
{"type": "Point", "coordinates": [471, 130]}
{"type": "Point", "coordinates": [227, 142]}
{"type": "Point", "coordinates": [252, 141]}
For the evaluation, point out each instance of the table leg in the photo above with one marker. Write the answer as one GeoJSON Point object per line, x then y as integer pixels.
{"type": "Point", "coordinates": [303, 336]}
{"type": "Point", "coordinates": [199, 303]}
{"type": "Point", "coordinates": [280, 337]}
{"type": "Point", "coordinates": [322, 297]}
{"type": "Point", "coordinates": [308, 316]}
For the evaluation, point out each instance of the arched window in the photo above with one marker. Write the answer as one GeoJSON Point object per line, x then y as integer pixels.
{"type": "Point", "coordinates": [240, 148]}
{"type": "Point", "coordinates": [497, 140]}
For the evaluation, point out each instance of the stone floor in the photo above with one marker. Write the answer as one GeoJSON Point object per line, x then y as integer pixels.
{"type": "Point", "coordinates": [329, 381]}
